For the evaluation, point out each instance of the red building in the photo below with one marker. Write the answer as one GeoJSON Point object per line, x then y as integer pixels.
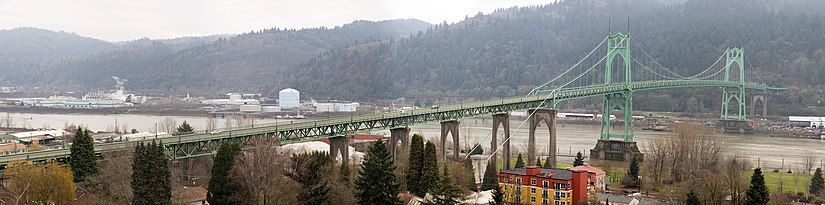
{"type": "Point", "coordinates": [596, 176]}
{"type": "Point", "coordinates": [534, 185]}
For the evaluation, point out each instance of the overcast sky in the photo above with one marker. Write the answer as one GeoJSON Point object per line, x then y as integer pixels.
{"type": "Point", "coordinates": [118, 20]}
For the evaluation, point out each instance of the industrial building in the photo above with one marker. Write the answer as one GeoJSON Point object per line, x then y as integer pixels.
{"type": "Point", "coordinates": [250, 108]}
{"type": "Point", "coordinates": [34, 137]}
{"type": "Point", "coordinates": [234, 99]}
{"type": "Point", "coordinates": [812, 122]}
{"type": "Point", "coordinates": [270, 109]}
{"type": "Point", "coordinates": [336, 107]}
{"type": "Point", "coordinates": [289, 98]}
{"type": "Point", "coordinates": [80, 104]}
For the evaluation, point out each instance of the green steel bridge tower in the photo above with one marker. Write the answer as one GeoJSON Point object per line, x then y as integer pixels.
{"type": "Point", "coordinates": [618, 45]}
{"type": "Point", "coordinates": [734, 57]}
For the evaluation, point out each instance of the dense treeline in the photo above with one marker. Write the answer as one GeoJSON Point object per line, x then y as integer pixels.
{"type": "Point", "coordinates": [510, 51]}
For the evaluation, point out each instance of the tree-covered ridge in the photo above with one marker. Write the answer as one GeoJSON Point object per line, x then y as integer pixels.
{"type": "Point", "coordinates": [247, 62]}
{"type": "Point", "coordinates": [510, 51]}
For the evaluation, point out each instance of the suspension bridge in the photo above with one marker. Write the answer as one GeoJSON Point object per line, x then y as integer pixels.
{"type": "Point", "coordinates": [614, 76]}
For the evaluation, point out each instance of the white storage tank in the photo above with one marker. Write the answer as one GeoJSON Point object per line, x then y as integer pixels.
{"type": "Point", "coordinates": [289, 98]}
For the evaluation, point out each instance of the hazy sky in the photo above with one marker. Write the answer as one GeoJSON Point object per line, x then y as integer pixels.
{"type": "Point", "coordinates": [118, 20]}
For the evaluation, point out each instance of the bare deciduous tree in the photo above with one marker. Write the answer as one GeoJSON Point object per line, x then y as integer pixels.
{"type": "Point", "coordinates": [210, 123]}
{"type": "Point", "coordinates": [261, 172]}
{"type": "Point", "coordinates": [112, 184]}
{"type": "Point", "coordinates": [227, 123]}
{"type": "Point", "coordinates": [691, 160]}
{"type": "Point", "coordinates": [124, 128]}
{"type": "Point", "coordinates": [168, 125]}
{"type": "Point", "coordinates": [678, 157]}
{"type": "Point", "coordinates": [736, 183]}
{"type": "Point", "coordinates": [243, 120]}
{"type": "Point", "coordinates": [8, 121]}
{"type": "Point", "coordinates": [808, 162]}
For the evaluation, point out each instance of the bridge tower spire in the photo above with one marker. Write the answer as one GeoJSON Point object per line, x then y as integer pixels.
{"type": "Point", "coordinates": [734, 57]}
{"type": "Point", "coordinates": [618, 45]}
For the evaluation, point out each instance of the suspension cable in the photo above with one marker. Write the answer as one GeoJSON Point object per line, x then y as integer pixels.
{"type": "Point", "coordinates": [654, 72]}
{"type": "Point", "coordinates": [571, 68]}
{"type": "Point", "coordinates": [708, 69]}
{"type": "Point", "coordinates": [654, 60]}
{"type": "Point", "coordinates": [754, 69]}
{"type": "Point", "coordinates": [706, 77]}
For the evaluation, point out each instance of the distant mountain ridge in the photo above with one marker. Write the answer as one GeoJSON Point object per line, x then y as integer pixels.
{"type": "Point", "coordinates": [29, 47]}
{"type": "Point", "coordinates": [246, 62]}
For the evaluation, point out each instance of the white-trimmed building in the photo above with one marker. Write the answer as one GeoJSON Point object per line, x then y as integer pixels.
{"type": "Point", "coordinates": [813, 122]}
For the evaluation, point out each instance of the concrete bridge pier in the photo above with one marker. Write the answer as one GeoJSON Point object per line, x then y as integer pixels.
{"type": "Point", "coordinates": [338, 144]}
{"type": "Point", "coordinates": [547, 117]}
{"type": "Point", "coordinates": [502, 119]}
{"type": "Point", "coordinates": [396, 134]}
{"type": "Point", "coordinates": [763, 100]}
{"type": "Point", "coordinates": [449, 127]}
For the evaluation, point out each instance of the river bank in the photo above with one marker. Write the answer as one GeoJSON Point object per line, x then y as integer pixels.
{"type": "Point", "coordinates": [160, 111]}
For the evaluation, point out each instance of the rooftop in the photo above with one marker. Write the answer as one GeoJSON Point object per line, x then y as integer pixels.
{"type": "Point", "coordinates": [589, 169]}
{"type": "Point", "coordinates": [548, 173]}
{"type": "Point", "coordinates": [189, 195]}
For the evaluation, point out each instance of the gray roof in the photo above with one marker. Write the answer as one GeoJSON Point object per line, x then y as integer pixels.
{"type": "Point", "coordinates": [562, 174]}
{"type": "Point", "coordinates": [621, 199]}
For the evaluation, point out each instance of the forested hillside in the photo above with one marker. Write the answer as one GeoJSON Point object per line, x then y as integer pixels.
{"type": "Point", "coordinates": [248, 62]}
{"type": "Point", "coordinates": [512, 50]}
{"type": "Point", "coordinates": [32, 47]}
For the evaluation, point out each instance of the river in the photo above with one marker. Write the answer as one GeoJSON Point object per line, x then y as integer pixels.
{"type": "Point", "coordinates": [769, 151]}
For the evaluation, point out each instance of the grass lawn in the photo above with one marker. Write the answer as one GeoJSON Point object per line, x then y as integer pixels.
{"type": "Point", "coordinates": [786, 181]}
{"type": "Point", "coordinates": [616, 174]}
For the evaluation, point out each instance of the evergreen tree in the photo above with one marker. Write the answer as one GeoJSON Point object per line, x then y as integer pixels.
{"type": "Point", "coordinates": [82, 155]}
{"type": "Point", "coordinates": [221, 186]}
{"type": "Point", "coordinates": [538, 162]}
{"type": "Point", "coordinates": [547, 163]}
{"type": "Point", "coordinates": [429, 174]}
{"type": "Point", "coordinates": [520, 161]}
{"type": "Point", "coordinates": [140, 166]}
{"type": "Point", "coordinates": [307, 171]}
{"type": "Point", "coordinates": [445, 192]}
{"type": "Point", "coordinates": [150, 175]}
{"type": "Point", "coordinates": [692, 199]}
{"type": "Point", "coordinates": [471, 181]}
{"type": "Point", "coordinates": [416, 166]}
{"type": "Point", "coordinates": [579, 160]}
{"type": "Point", "coordinates": [817, 183]}
{"type": "Point", "coordinates": [376, 180]}
{"type": "Point", "coordinates": [185, 128]}
{"type": "Point", "coordinates": [631, 180]}
{"type": "Point", "coordinates": [490, 180]}
{"type": "Point", "coordinates": [758, 193]}
{"type": "Point", "coordinates": [497, 195]}
{"type": "Point", "coordinates": [345, 174]}
{"type": "Point", "coordinates": [477, 150]}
